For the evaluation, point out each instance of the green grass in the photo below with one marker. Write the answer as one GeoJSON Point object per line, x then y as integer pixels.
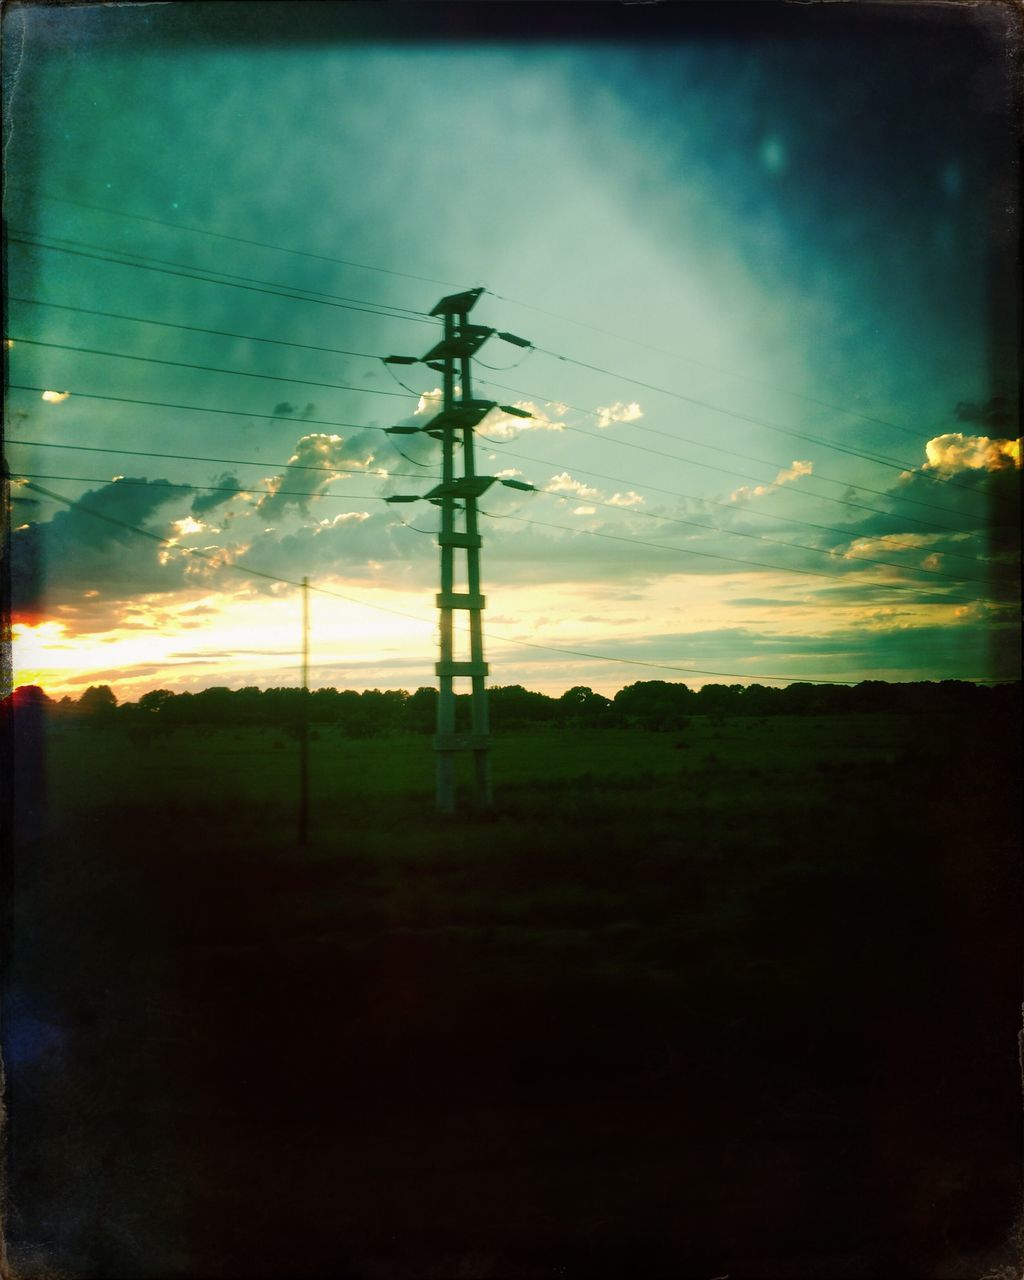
{"type": "Point", "coordinates": [752, 962]}
{"type": "Point", "coordinates": [255, 771]}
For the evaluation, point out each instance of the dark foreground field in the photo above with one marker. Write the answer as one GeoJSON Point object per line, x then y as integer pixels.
{"type": "Point", "coordinates": [740, 1000]}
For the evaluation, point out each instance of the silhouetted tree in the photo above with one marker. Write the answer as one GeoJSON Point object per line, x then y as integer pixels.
{"type": "Point", "coordinates": [420, 711]}
{"type": "Point", "coordinates": [512, 707]}
{"type": "Point", "coordinates": [155, 701]}
{"type": "Point", "coordinates": [98, 702]}
{"type": "Point", "coordinates": [581, 705]}
{"type": "Point", "coordinates": [655, 704]}
{"type": "Point", "coordinates": [30, 695]}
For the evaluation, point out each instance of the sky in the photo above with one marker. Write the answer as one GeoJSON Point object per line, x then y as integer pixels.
{"type": "Point", "coordinates": [766, 260]}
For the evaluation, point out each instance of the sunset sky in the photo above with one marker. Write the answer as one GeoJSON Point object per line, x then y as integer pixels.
{"type": "Point", "coordinates": [791, 226]}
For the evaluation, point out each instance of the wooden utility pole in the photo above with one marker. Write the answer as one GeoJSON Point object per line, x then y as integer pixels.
{"type": "Point", "coordinates": [457, 497]}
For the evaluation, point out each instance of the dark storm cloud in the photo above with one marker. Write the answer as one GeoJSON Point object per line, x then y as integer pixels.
{"type": "Point", "coordinates": [900, 651]}
{"type": "Point", "coordinates": [628, 549]}
{"type": "Point", "coordinates": [288, 410]}
{"type": "Point", "coordinates": [207, 502]}
{"type": "Point", "coordinates": [994, 415]}
{"type": "Point", "coordinates": [974, 513]}
{"type": "Point", "coordinates": [94, 547]}
{"type": "Point", "coordinates": [309, 474]}
{"type": "Point", "coordinates": [351, 546]}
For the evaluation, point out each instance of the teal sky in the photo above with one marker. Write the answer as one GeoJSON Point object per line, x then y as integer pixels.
{"type": "Point", "coordinates": [797, 226]}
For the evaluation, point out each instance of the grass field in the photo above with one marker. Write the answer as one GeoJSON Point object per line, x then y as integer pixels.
{"type": "Point", "coordinates": [738, 999]}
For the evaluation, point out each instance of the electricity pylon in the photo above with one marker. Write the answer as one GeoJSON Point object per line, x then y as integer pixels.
{"type": "Point", "coordinates": [457, 496]}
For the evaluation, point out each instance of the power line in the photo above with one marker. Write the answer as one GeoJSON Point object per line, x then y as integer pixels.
{"type": "Point", "coordinates": [234, 462]}
{"type": "Point", "coordinates": [205, 368]}
{"type": "Point", "coordinates": [322, 422]}
{"type": "Point", "coordinates": [879, 459]}
{"type": "Point", "coordinates": [205, 408]}
{"type": "Point", "coordinates": [383, 307]}
{"type": "Point", "coordinates": [757, 537]}
{"type": "Point", "coordinates": [732, 453]}
{"type": "Point", "coordinates": [741, 475]}
{"type": "Point", "coordinates": [649, 430]}
{"type": "Point", "coordinates": [431, 467]}
{"type": "Point", "coordinates": [529, 644]}
{"type": "Point", "coordinates": [705, 555]}
{"type": "Point", "coordinates": [191, 328]}
{"type": "Point", "coordinates": [323, 301]}
{"type": "Point", "coordinates": [844, 502]}
{"type": "Point", "coordinates": [613, 506]}
{"type": "Point", "coordinates": [375, 391]}
{"type": "Point", "coordinates": [713, 368]}
{"type": "Point", "coordinates": [329, 470]}
{"type": "Point", "coordinates": [347, 262]}
{"type": "Point", "coordinates": [221, 235]}
{"type": "Point", "coordinates": [188, 487]}
{"type": "Point", "coordinates": [728, 506]}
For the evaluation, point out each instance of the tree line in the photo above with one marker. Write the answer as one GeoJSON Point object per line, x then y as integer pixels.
{"type": "Point", "coordinates": [648, 704]}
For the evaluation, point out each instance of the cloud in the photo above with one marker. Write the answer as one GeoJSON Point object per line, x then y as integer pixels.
{"type": "Point", "coordinates": [791, 473]}
{"type": "Point", "coordinates": [989, 611]}
{"type": "Point", "coordinates": [429, 402]}
{"type": "Point", "coordinates": [346, 517]}
{"type": "Point", "coordinates": [287, 410]}
{"type": "Point", "coordinates": [954, 452]}
{"type": "Point", "coordinates": [564, 483]}
{"type": "Point", "coordinates": [299, 482]}
{"type": "Point", "coordinates": [618, 412]}
{"type": "Point", "coordinates": [55, 397]}
{"type": "Point", "coordinates": [185, 527]}
{"type": "Point", "coordinates": [356, 546]}
{"type": "Point", "coordinates": [206, 502]}
{"type": "Point", "coordinates": [925, 651]}
{"type": "Point", "coordinates": [994, 413]}
{"type": "Point", "coordinates": [984, 503]}
{"type": "Point", "coordinates": [82, 551]}
{"type": "Point", "coordinates": [505, 426]}
{"type": "Point", "coordinates": [496, 425]}
{"type": "Point", "coordinates": [629, 499]}
{"type": "Point", "coordinates": [893, 543]}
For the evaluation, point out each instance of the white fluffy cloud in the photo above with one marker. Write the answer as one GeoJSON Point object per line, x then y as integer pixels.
{"type": "Point", "coordinates": [505, 426]}
{"type": "Point", "coordinates": [498, 425]}
{"type": "Point", "coordinates": [564, 483]}
{"type": "Point", "coordinates": [791, 473]}
{"type": "Point", "coordinates": [955, 451]}
{"type": "Point", "coordinates": [429, 402]}
{"type": "Point", "coordinates": [618, 412]}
